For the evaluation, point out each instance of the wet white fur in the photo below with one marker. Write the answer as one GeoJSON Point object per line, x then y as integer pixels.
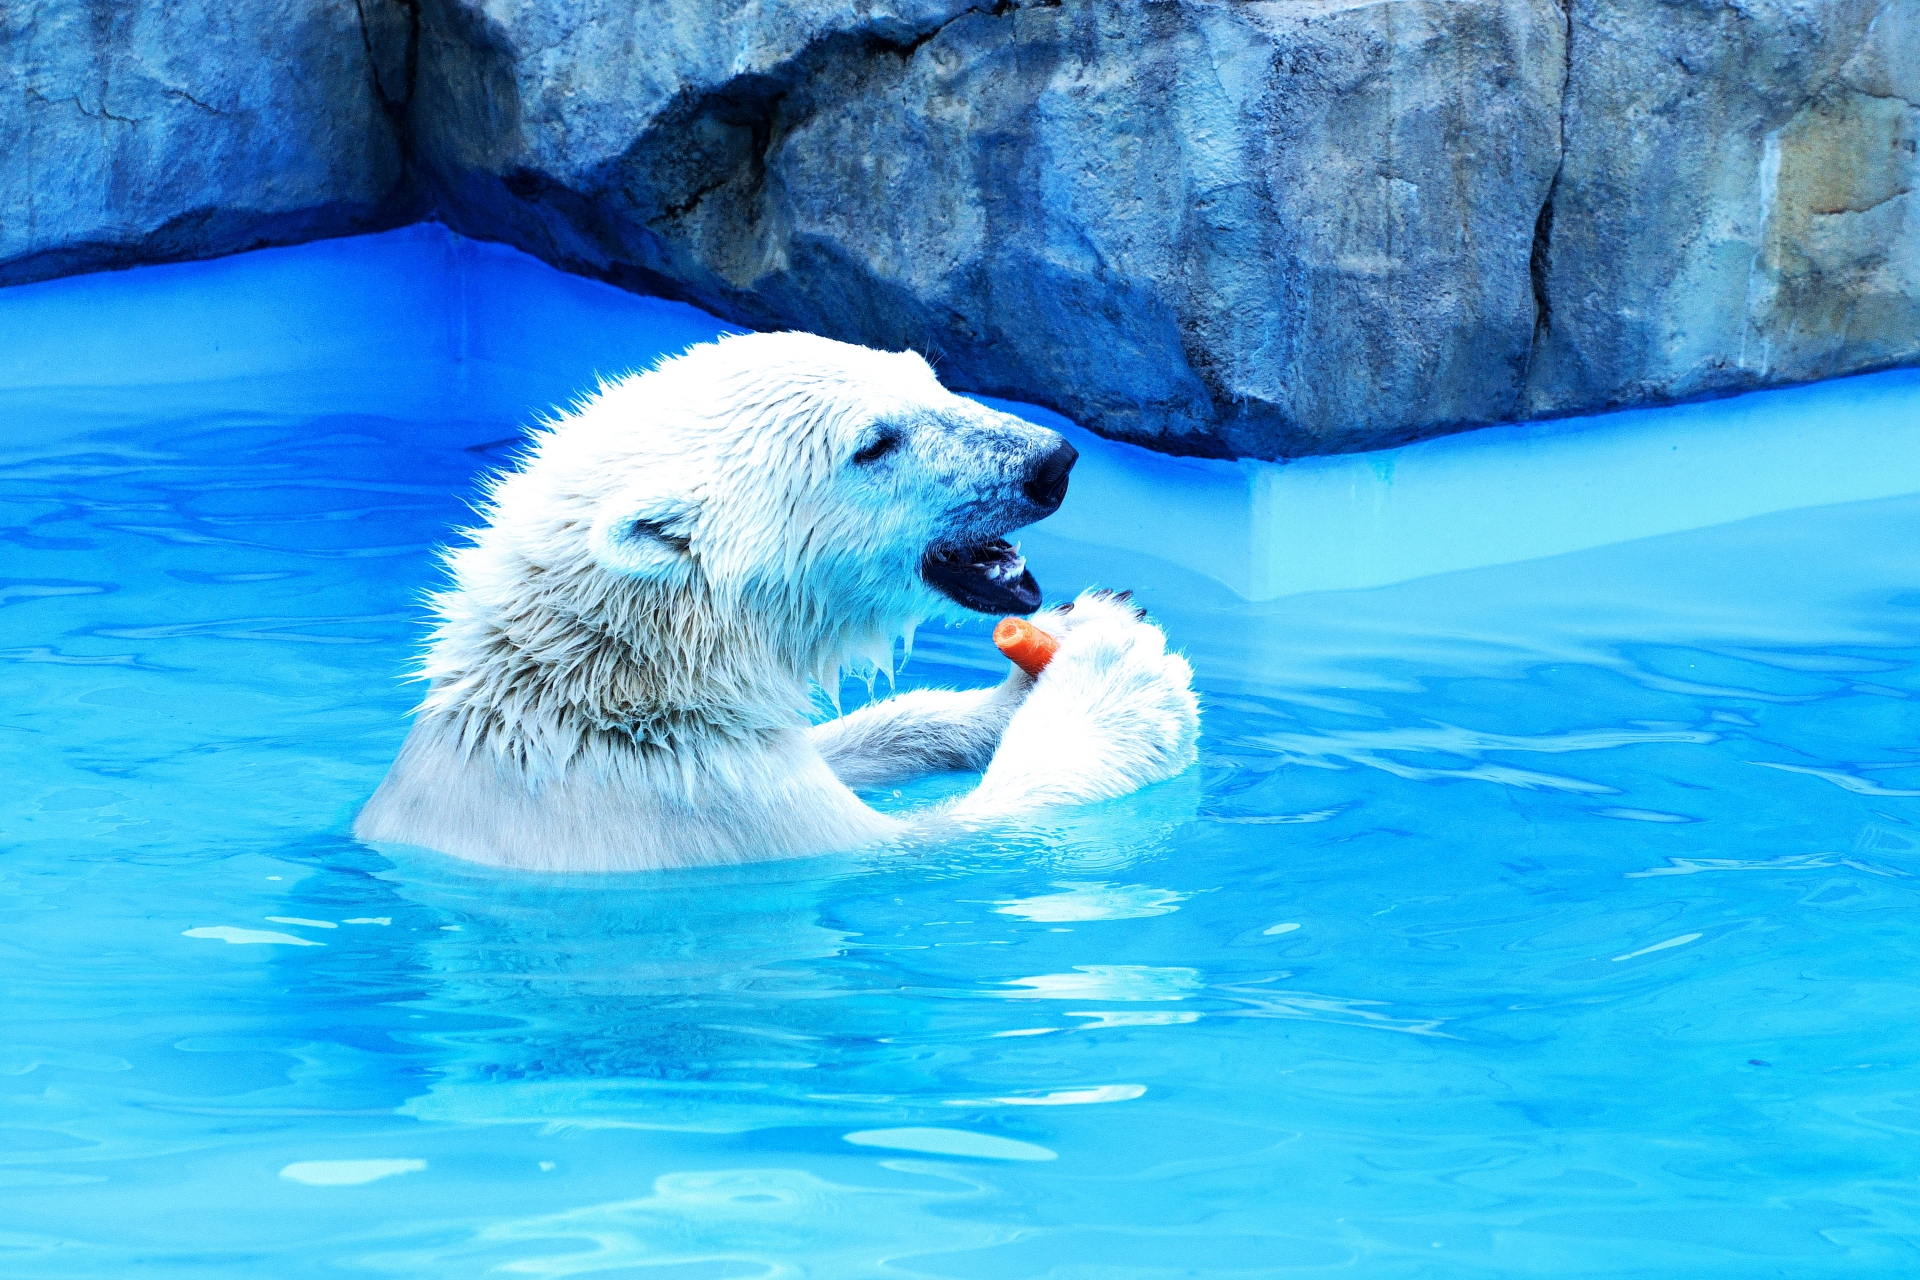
{"type": "Point", "coordinates": [621, 671]}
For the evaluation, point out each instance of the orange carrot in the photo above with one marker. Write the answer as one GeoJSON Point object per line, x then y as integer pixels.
{"type": "Point", "coordinates": [1029, 648]}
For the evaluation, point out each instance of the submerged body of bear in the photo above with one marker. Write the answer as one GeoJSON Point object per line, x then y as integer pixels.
{"type": "Point", "coordinates": [622, 666]}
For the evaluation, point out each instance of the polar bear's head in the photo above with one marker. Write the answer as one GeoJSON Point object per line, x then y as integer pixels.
{"type": "Point", "coordinates": [788, 463]}
{"type": "Point", "coordinates": [766, 504]}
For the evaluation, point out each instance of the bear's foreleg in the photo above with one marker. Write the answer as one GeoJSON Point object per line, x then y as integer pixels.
{"type": "Point", "coordinates": [920, 732]}
{"type": "Point", "coordinates": [1112, 712]}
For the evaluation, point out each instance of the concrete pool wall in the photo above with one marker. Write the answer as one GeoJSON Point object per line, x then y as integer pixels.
{"type": "Point", "coordinates": [421, 323]}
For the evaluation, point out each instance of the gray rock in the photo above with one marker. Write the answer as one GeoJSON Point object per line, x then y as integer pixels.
{"type": "Point", "coordinates": [1266, 229]}
{"type": "Point", "coordinates": [142, 132]}
{"type": "Point", "coordinates": [1737, 206]}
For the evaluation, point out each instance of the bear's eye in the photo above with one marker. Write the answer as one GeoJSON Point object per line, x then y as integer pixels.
{"type": "Point", "coordinates": [877, 448]}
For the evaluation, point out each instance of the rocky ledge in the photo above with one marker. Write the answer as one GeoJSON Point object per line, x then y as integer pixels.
{"type": "Point", "coordinates": [1209, 226]}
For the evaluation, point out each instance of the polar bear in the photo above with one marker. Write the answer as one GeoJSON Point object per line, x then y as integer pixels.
{"type": "Point", "coordinates": [623, 664]}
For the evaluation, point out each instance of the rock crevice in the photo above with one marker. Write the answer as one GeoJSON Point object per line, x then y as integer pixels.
{"type": "Point", "coordinates": [1539, 252]}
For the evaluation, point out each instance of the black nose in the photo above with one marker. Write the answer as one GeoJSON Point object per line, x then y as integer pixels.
{"type": "Point", "coordinates": [1046, 484]}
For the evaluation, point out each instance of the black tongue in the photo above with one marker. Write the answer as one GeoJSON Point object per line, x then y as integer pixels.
{"type": "Point", "coordinates": [976, 578]}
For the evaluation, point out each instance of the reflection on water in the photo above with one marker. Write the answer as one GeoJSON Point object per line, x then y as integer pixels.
{"type": "Point", "coordinates": [1108, 982]}
{"type": "Point", "coordinates": [347, 1173]}
{"type": "Point", "coordinates": [1094, 901]}
{"type": "Point", "coordinates": [1430, 969]}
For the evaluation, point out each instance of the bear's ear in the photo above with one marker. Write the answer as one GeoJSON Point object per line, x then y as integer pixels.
{"type": "Point", "coordinates": [645, 534]}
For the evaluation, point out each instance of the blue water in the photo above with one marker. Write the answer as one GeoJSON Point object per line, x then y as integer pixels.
{"type": "Point", "coordinates": [1554, 917]}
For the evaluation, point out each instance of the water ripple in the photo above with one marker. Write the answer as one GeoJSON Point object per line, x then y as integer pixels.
{"type": "Point", "coordinates": [1365, 747]}
{"type": "Point", "coordinates": [1846, 781]}
{"type": "Point", "coordinates": [1256, 1001]}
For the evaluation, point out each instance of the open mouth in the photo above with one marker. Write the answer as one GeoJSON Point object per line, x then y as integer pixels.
{"type": "Point", "coordinates": [990, 577]}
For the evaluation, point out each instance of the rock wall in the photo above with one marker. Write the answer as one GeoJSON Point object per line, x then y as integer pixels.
{"type": "Point", "coordinates": [1266, 229]}
{"type": "Point", "coordinates": [1736, 207]}
{"type": "Point", "coordinates": [1211, 226]}
{"type": "Point", "coordinates": [138, 132]}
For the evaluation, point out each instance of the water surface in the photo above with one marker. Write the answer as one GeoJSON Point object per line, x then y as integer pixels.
{"type": "Point", "coordinates": [1548, 918]}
